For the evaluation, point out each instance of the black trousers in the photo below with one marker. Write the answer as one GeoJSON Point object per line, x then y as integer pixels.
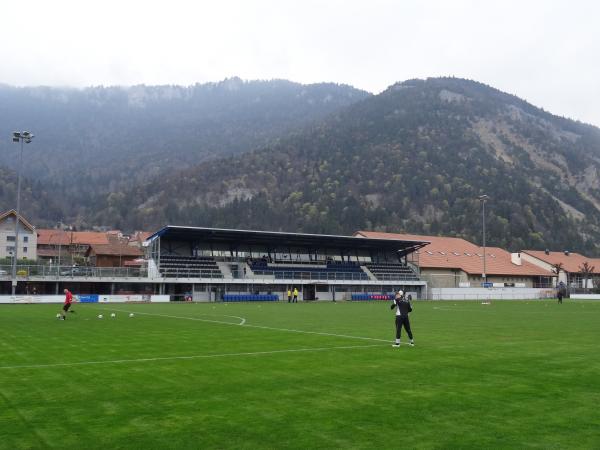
{"type": "Point", "coordinates": [403, 321]}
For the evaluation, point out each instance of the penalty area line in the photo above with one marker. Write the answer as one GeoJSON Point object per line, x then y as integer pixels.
{"type": "Point", "coordinates": [174, 358]}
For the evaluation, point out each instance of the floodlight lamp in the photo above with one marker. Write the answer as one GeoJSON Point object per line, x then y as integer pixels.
{"type": "Point", "coordinates": [16, 135]}
{"type": "Point", "coordinates": [15, 139]}
{"type": "Point", "coordinates": [26, 134]}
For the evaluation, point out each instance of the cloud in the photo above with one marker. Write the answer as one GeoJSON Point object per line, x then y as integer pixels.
{"type": "Point", "coordinates": [543, 51]}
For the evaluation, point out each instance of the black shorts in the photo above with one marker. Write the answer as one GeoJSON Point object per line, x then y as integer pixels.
{"type": "Point", "coordinates": [66, 307]}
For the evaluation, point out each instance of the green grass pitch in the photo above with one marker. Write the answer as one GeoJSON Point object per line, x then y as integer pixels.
{"type": "Point", "coordinates": [513, 374]}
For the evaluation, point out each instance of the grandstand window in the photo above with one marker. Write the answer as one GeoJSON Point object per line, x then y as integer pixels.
{"type": "Point", "coordinates": [468, 254]}
{"type": "Point", "coordinates": [282, 254]}
{"type": "Point", "coordinates": [299, 255]}
{"type": "Point", "coordinates": [321, 255]}
{"type": "Point", "coordinates": [430, 253]}
{"type": "Point", "coordinates": [442, 253]}
{"type": "Point", "coordinates": [456, 254]}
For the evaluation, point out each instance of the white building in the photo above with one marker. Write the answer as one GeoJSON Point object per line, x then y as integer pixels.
{"type": "Point", "coordinates": [27, 237]}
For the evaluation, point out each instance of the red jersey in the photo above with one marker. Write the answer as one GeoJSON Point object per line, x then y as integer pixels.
{"type": "Point", "coordinates": [68, 298]}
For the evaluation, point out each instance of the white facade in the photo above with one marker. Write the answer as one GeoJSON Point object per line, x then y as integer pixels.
{"type": "Point", "coordinates": [27, 238]}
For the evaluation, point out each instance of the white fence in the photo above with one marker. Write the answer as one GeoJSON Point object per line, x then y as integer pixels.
{"type": "Point", "coordinates": [490, 293]}
{"type": "Point", "coordinates": [585, 296]}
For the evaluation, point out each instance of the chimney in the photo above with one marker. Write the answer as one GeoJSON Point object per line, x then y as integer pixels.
{"type": "Point", "coordinates": [515, 258]}
{"type": "Point", "coordinates": [547, 252]}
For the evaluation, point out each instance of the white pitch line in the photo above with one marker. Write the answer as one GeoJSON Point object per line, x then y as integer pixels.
{"type": "Point", "coordinates": [171, 358]}
{"type": "Point", "coordinates": [289, 330]}
{"type": "Point", "coordinates": [242, 320]}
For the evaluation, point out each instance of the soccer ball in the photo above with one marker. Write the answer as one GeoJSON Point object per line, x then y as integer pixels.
{"type": "Point", "coordinates": [58, 315]}
{"type": "Point", "coordinates": [130, 314]}
{"type": "Point", "coordinates": [113, 315]}
{"type": "Point", "coordinates": [100, 316]}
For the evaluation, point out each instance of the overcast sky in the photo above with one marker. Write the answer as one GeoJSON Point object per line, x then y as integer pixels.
{"type": "Point", "coordinates": [547, 52]}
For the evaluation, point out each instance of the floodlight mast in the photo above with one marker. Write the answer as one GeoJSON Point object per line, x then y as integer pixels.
{"type": "Point", "coordinates": [24, 137]}
{"type": "Point", "coordinates": [483, 198]}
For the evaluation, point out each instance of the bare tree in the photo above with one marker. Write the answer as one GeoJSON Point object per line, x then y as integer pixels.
{"type": "Point", "coordinates": [556, 268]}
{"type": "Point", "coordinates": [586, 270]}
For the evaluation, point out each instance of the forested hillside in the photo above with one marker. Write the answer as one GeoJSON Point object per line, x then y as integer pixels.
{"type": "Point", "coordinates": [93, 141]}
{"type": "Point", "coordinates": [414, 158]}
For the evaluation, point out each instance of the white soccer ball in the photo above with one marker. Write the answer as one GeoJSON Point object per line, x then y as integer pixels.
{"type": "Point", "coordinates": [58, 315]}
{"type": "Point", "coordinates": [100, 316]}
{"type": "Point", "coordinates": [130, 314]}
{"type": "Point", "coordinates": [113, 315]}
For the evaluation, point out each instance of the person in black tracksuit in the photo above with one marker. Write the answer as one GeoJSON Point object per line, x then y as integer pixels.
{"type": "Point", "coordinates": [403, 308]}
{"type": "Point", "coordinates": [561, 292]}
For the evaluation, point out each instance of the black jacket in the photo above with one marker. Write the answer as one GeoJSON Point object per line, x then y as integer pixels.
{"type": "Point", "coordinates": [402, 304]}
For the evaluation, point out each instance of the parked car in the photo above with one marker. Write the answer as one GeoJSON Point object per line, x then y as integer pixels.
{"type": "Point", "coordinates": [76, 271]}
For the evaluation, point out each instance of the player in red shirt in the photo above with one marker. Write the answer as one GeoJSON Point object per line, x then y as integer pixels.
{"type": "Point", "coordinates": [67, 304]}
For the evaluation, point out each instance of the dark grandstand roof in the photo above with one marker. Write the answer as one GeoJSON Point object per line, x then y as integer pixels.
{"type": "Point", "coordinates": [274, 238]}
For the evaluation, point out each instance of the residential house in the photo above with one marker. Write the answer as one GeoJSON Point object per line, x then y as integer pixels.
{"type": "Point", "coordinates": [66, 247]}
{"type": "Point", "coordinates": [27, 237]}
{"type": "Point", "coordinates": [455, 262]}
{"type": "Point", "coordinates": [113, 254]}
{"type": "Point", "coordinates": [572, 265]}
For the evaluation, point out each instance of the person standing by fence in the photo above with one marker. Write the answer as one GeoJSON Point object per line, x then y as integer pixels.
{"type": "Point", "coordinates": [561, 292]}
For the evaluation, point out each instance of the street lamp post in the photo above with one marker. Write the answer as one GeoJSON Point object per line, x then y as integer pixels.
{"type": "Point", "coordinates": [483, 199]}
{"type": "Point", "coordinates": [24, 137]}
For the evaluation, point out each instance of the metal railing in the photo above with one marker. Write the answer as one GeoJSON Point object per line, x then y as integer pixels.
{"type": "Point", "coordinates": [71, 272]}
{"type": "Point", "coordinates": [52, 271]}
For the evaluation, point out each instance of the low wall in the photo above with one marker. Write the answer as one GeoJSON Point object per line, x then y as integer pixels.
{"type": "Point", "coordinates": [90, 298]}
{"type": "Point", "coordinates": [585, 296]}
{"type": "Point", "coordinates": [490, 293]}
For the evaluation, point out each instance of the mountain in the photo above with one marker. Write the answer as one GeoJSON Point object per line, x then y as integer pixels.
{"type": "Point", "coordinates": [104, 139]}
{"type": "Point", "coordinates": [414, 158]}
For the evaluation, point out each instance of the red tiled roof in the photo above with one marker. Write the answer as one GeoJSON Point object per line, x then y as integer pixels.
{"type": "Point", "coordinates": [457, 253]}
{"type": "Point", "coordinates": [63, 237]}
{"type": "Point", "coordinates": [114, 249]}
{"type": "Point", "coordinates": [571, 263]}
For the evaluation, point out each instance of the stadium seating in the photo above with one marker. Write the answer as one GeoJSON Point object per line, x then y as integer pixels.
{"type": "Point", "coordinates": [332, 270]}
{"type": "Point", "coordinates": [391, 271]}
{"type": "Point", "coordinates": [176, 266]}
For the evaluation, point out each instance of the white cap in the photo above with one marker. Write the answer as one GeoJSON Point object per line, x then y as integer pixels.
{"type": "Point", "coordinates": [400, 292]}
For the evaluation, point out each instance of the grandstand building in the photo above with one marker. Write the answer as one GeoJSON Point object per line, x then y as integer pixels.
{"type": "Point", "coordinates": [211, 264]}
